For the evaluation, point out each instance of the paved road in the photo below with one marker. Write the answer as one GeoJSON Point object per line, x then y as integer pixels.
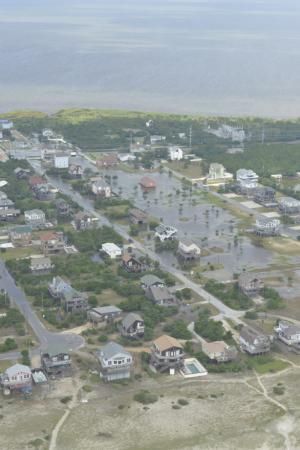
{"type": "Point", "coordinates": [87, 205]}
{"type": "Point", "coordinates": [45, 337]}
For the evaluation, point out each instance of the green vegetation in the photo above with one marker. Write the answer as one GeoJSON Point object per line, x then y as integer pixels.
{"type": "Point", "coordinates": [230, 294]}
{"type": "Point", "coordinates": [66, 399]}
{"type": "Point", "coordinates": [25, 357]}
{"type": "Point", "coordinates": [145, 397]}
{"type": "Point", "coordinates": [279, 389]}
{"type": "Point", "coordinates": [182, 402]}
{"type": "Point", "coordinates": [92, 240]}
{"type": "Point", "coordinates": [272, 298]}
{"type": "Point", "coordinates": [211, 329]}
{"type": "Point", "coordinates": [9, 345]}
{"type": "Point", "coordinates": [178, 329]}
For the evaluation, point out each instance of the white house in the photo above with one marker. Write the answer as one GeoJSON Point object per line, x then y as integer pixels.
{"type": "Point", "coordinates": [288, 332]}
{"type": "Point", "coordinates": [112, 250]}
{"type": "Point", "coordinates": [101, 188]}
{"type": "Point", "coordinates": [247, 179]}
{"type": "Point", "coordinates": [188, 250]}
{"type": "Point", "coordinates": [35, 217]}
{"type": "Point", "coordinates": [6, 124]}
{"type": "Point", "coordinates": [17, 377]}
{"type": "Point", "coordinates": [217, 174]}
{"type": "Point", "coordinates": [267, 226]}
{"type": "Point", "coordinates": [175, 153]}
{"type": "Point", "coordinates": [61, 161]}
{"type": "Point", "coordinates": [164, 232]}
{"type": "Point", "coordinates": [126, 157]}
{"type": "Point", "coordinates": [115, 362]}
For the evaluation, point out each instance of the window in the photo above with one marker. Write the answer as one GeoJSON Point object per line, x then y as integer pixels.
{"type": "Point", "coordinates": [109, 363]}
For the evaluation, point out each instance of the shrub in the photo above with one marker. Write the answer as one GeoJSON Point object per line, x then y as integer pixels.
{"type": "Point", "coordinates": [102, 338]}
{"type": "Point", "coordinates": [145, 397]}
{"type": "Point", "coordinates": [176, 407]}
{"type": "Point", "coordinates": [87, 388]}
{"type": "Point", "coordinates": [278, 390]}
{"type": "Point", "coordinates": [66, 399]}
{"type": "Point", "coordinates": [182, 402]}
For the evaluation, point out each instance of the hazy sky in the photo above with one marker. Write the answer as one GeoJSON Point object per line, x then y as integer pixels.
{"type": "Point", "coordinates": [214, 56]}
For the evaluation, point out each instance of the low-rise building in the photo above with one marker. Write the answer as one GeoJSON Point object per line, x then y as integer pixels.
{"type": "Point", "coordinates": [253, 342]}
{"type": "Point", "coordinates": [75, 171]}
{"type": "Point", "coordinates": [166, 353]}
{"type": "Point", "coordinates": [265, 195]}
{"type": "Point", "coordinates": [71, 300]}
{"type": "Point", "coordinates": [36, 218]}
{"type": "Point", "coordinates": [175, 153]}
{"type": "Point", "coordinates": [151, 280]}
{"type": "Point", "coordinates": [250, 284]}
{"type": "Point", "coordinates": [56, 360]}
{"type": "Point", "coordinates": [112, 250]}
{"type": "Point", "coordinates": [217, 174]}
{"type": "Point", "coordinates": [108, 161]}
{"type": "Point", "coordinates": [21, 236]}
{"type": "Point", "coordinates": [247, 179]}
{"type": "Point", "coordinates": [288, 333]}
{"type": "Point", "coordinates": [115, 362]}
{"type": "Point", "coordinates": [9, 215]}
{"type": "Point", "coordinates": [84, 221]}
{"type": "Point", "coordinates": [147, 183]}
{"type": "Point", "coordinates": [289, 205]}
{"type": "Point", "coordinates": [63, 208]}
{"type": "Point", "coordinates": [219, 351]}
{"type": "Point", "coordinates": [160, 295]}
{"type": "Point", "coordinates": [17, 378]}
{"type": "Point", "coordinates": [164, 232]}
{"type": "Point", "coordinates": [104, 314]}
{"type": "Point", "coordinates": [40, 265]}
{"type": "Point", "coordinates": [61, 161]}
{"type": "Point", "coordinates": [157, 139]}
{"type": "Point", "coordinates": [188, 251]}
{"type": "Point", "coordinates": [138, 217]}
{"type": "Point", "coordinates": [132, 326]}
{"type": "Point", "coordinates": [21, 173]}
{"type": "Point", "coordinates": [267, 226]}
{"type": "Point", "coordinates": [101, 188]}
{"type": "Point", "coordinates": [52, 242]}
{"type": "Point", "coordinates": [131, 263]}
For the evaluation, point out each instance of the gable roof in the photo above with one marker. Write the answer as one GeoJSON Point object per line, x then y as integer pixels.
{"type": "Point", "coordinates": [130, 319]}
{"type": "Point", "coordinates": [160, 293]}
{"type": "Point", "coordinates": [16, 368]}
{"type": "Point", "coordinates": [106, 309]}
{"type": "Point", "coordinates": [165, 342]}
{"type": "Point", "coordinates": [150, 279]}
{"type": "Point", "coordinates": [113, 349]}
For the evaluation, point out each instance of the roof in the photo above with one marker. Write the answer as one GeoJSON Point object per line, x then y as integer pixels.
{"type": "Point", "coordinates": [48, 235]}
{"type": "Point", "coordinates": [22, 229]}
{"type": "Point", "coordinates": [138, 213]}
{"type": "Point", "coordinates": [34, 211]}
{"type": "Point", "coordinates": [112, 349]}
{"type": "Point", "coordinates": [150, 279]}
{"type": "Point", "coordinates": [16, 368]}
{"type": "Point", "coordinates": [289, 202]}
{"type": "Point", "coordinates": [35, 180]}
{"type": "Point", "coordinates": [214, 347]}
{"type": "Point", "coordinates": [165, 342]}
{"type": "Point", "coordinates": [130, 319]}
{"type": "Point", "coordinates": [41, 260]}
{"type": "Point", "coordinates": [250, 335]}
{"type": "Point", "coordinates": [147, 182]}
{"type": "Point", "coordinates": [55, 348]}
{"type": "Point", "coordinates": [160, 293]}
{"type": "Point", "coordinates": [128, 256]}
{"type": "Point", "coordinates": [289, 329]}
{"type": "Point", "coordinates": [187, 242]}
{"type": "Point", "coordinates": [110, 247]}
{"type": "Point", "coordinates": [106, 309]}
{"type": "Point", "coordinates": [247, 277]}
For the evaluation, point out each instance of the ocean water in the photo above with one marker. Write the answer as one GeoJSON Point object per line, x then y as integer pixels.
{"type": "Point", "coordinates": [187, 56]}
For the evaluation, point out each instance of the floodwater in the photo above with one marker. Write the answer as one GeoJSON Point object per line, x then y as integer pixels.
{"type": "Point", "coordinates": [190, 56]}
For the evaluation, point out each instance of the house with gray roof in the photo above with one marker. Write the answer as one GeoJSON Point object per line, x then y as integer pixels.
{"type": "Point", "coordinates": [160, 295]}
{"type": "Point", "coordinates": [288, 332]}
{"type": "Point", "coordinates": [250, 284]}
{"type": "Point", "coordinates": [115, 362]}
{"type": "Point", "coordinates": [253, 342]}
{"type": "Point", "coordinates": [104, 314]}
{"type": "Point", "coordinates": [151, 280]}
{"type": "Point", "coordinates": [40, 265]}
{"type": "Point", "coordinates": [56, 360]}
{"type": "Point", "coordinates": [132, 326]}
{"type": "Point", "coordinates": [36, 218]}
{"type": "Point", "coordinates": [71, 300]}
{"type": "Point", "coordinates": [21, 235]}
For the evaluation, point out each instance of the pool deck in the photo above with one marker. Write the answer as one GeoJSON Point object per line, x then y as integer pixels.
{"type": "Point", "coordinates": [187, 373]}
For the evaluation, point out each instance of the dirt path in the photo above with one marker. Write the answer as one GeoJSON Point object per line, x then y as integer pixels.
{"type": "Point", "coordinates": [58, 426]}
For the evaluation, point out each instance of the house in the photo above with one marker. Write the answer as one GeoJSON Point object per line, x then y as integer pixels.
{"type": "Point", "coordinates": [267, 226]}
{"type": "Point", "coordinates": [157, 139]}
{"type": "Point", "coordinates": [101, 188]}
{"type": "Point", "coordinates": [132, 326]}
{"type": "Point", "coordinates": [219, 351]}
{"type": "Point", "coordinates": [132, 263]}
{"type": "Point", "coordinates": [151, 280]}
{"type": "Point", "coordinates": [35, 181]}
{"type": "Point", "coordinates": [277, 177]}
{"type": "Point", "coordinates": [164, 232]}
{"type": "Point", "coordinates": [137, 216]}
{"type": "Point", "coordinates": [108, 161]}
{"type": "Point", "coordinates": [21, 236]}
{"type": "Point", "coordinates": [217, 174]}
{"type": "Point", "coordinates": [5, 203]}
{"type": "Point", "coordinates": [21, 173]}
{"type": "Point", "coordinates": [104, 314]}
{"type": "Point", "coordinates": [289, 205]}
{"type": "Point", "coordinates": [84, 221]}
{"type": "Point", "coordinates": [175, 153]}
{"type": "Point", "coordinates": [166, 353]}
{"type": "Point", "coordinates": [253, 342]}
{"type": "Point", "coordinates": [9, 215]}
{"type": "Point", "coordinates": [61, 161]}
{"type": "Point", "coordinates": [44, 193]}
{"type": "Point", "coordinates": [17, 378]}
{"type": "Point", "coordinates": [188, 250]}
{"type": "Point", "coordinates": [6, 124]}
{"type": "Point", "coordinates": [250, 284]}
{"type": "Point", "coordinates": [63, 208]}
{"type": "Point", "coordinates": [71, 300]}
{"type": "Point", "coordinates": [115, 362]}
{"type": "Point", "coordinates": [288, 332]}
{"type": "Point", "coordinates": [52, 242]}
{"type": "Point", "coordinates": [147, 183]}
{"type": "Point", "coordinates": [56, 360]}
{"type": "Point", "coordinates": [40, 265]}
{"type": "Point", "coordinates": [126, 157]}
{"type": "Point", "coordinates": [160, 295]}
{"type": "Point", "coordinates": [265, 195]}
{"type": "Point", "coordinates": [35, 218]}
{"type": "Point", "coordinates": [247, 179]}
{"type": "Point", "coordinates": [75, 171]}
{"type": "Point", "coordinates": [111, 250]}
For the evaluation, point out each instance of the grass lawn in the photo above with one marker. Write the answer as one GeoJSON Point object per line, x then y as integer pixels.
{"type": "Point", "coordinates": [109, 297]}
{"type": "Point", "coordinates": [191, 170]}
{"type": "Point", "coordinates": [276, 365]}
{"type": "Point", "coordinates": [17, 253]}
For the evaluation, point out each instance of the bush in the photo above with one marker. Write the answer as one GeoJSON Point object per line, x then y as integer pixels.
{"type": "Point", "coordinates": [66, 399]}
{"type": "Point", "coordinates": [102, 338]}
{"type": "Point", "coordinates": [9, 344]}
{"type": "Point", "coordinates": [252, 315]}
{"type": "Point", "coordinates": [145, 397]}
{"type": "Point", "coordinates": [182, 402]}
{"type": "Point", "coordinates": [278, 390]}
{"type": "Point", "coordinates": [87, 388]}
{"type": "Point", "coordinates": [176, 407]}
{"type": "Point", "coordinates": [178, 329]}
{"type": "Point", "coordinates": [25, 357]}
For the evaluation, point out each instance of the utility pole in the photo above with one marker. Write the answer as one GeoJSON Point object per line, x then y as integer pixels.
{"type": "Point", "coordinates": [191, 136]}
{"type": "Point", "coordinates": [263, 135]}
